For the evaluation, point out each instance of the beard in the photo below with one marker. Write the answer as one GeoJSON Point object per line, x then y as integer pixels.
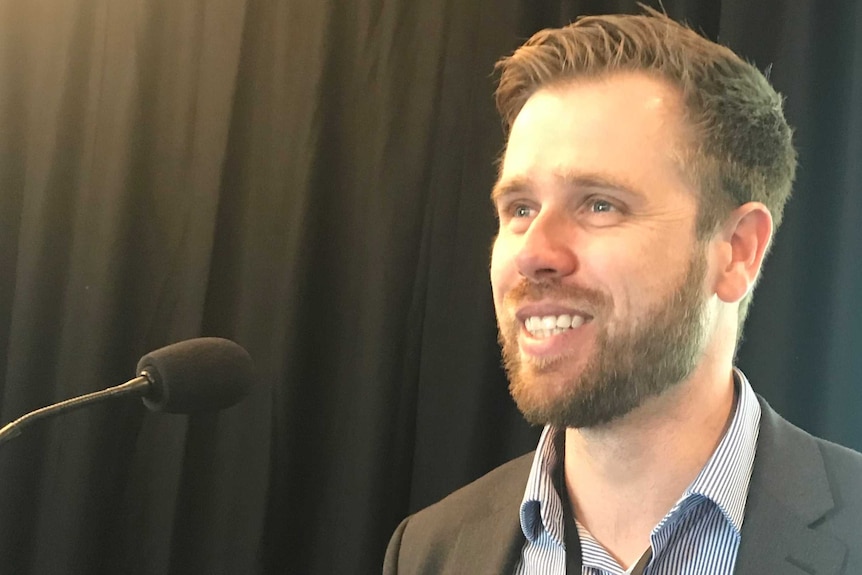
{"type": "Point", "coordinates": [656, 353]}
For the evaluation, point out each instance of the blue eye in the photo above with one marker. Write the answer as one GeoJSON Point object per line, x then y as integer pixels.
{"type": "Point", "coordinates": [521, 212]}
{"type": "Point", "coordinates": [602, 206]}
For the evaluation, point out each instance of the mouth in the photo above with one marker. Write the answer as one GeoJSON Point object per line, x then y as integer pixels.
{"type": "Point", "coordinates": [543, 327]}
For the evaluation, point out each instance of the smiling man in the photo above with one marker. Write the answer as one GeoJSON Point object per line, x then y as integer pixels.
{"type": "Point", "coordinates": [645, 172]}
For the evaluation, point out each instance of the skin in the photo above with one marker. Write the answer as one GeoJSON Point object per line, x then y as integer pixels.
{"type": "Point", "coordinates": [591, 197]}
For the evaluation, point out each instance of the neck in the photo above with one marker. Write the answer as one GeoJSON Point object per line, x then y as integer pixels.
{"type": "Point", "coordinates": [622, 478]}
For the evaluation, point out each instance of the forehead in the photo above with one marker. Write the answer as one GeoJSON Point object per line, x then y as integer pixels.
{"type": "Point", "coordinates": [627, 126]}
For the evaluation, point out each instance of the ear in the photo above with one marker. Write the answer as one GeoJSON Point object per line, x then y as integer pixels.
{"type": "Point", "coordinates": [742, 244]}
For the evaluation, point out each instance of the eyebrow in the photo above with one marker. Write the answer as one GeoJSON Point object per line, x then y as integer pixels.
{"type": "Point", "coordinates": [570, 180]}
{"type": "Point", "coordinates": [512, 186]}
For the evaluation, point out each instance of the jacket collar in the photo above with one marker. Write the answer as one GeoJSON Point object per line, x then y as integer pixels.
{"type": "Point", "coordinates": [788, 494]}
{"type": "Point", "coordinates": [491, 542]}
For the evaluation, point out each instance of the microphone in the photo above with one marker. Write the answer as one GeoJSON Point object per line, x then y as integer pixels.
{"type": "Point", "coordinates": [202, 374]}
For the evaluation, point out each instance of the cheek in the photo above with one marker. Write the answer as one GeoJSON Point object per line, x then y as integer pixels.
{"type": "Point", "coordinates": [640, 279]}
{"type": "Point", "coordinates": [502, 271]}
{"type": "Point", "coordinates": [628, 276]}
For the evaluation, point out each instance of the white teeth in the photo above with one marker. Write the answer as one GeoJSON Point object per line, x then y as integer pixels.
{"type": "Point", "coordinates": [546, 326]}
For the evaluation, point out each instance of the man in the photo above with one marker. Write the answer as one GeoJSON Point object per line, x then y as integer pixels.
{"type": "Point", "coordinates": [645, 171]}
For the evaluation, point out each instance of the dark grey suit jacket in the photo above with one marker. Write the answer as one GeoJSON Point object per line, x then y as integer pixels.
{"type": "Point", "coordinates": [803, 515]}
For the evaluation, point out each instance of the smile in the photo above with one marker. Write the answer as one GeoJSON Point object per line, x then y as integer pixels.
{"type": "Point", "coordinates": [546, 326]}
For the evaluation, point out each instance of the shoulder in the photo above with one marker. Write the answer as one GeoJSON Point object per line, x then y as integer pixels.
{"type": "Point", "coordinates": [844, 474]}
{"type": "Point", "coordinates": [819, 480]}
{"type": "Point", "coordinates": [498, 487]}
{"type": "Point", "coordinates": [427, 537]}
{"type": "Point", "coordinates": [781, 443]}
{"type": "Point", "coordinates": [843, 465]}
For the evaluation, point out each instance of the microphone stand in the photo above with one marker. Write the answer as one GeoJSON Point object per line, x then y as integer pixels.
{"type": "Point", "coordinates": [138, 386]}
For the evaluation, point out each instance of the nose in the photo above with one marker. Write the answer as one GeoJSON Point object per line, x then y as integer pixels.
{"type": "Point", "coordinates": [547, 248]}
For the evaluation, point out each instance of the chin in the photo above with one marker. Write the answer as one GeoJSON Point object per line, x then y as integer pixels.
{"type": "Point", "coordinates": [539, 395]}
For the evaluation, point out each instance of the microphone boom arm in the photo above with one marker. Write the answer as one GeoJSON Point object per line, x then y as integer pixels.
{"type": "Point", "coordinates": [137, 386]}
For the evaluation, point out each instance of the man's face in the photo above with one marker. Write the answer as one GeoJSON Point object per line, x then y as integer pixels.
{"type": "Point", "coordinates": [598, 280]}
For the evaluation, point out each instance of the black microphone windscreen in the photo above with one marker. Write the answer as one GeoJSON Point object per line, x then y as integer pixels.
{"type": "Point", "coordinates": [203, 374]}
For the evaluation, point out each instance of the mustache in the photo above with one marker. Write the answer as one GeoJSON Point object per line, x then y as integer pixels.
{"type": "Point", "coordinates": [591, 300]}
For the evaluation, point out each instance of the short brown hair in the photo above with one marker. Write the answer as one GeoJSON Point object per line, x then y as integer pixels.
{"type": "Point", "coordinates": [742, 146]}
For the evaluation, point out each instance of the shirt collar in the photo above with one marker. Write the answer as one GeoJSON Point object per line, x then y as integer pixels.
{"type": "Point", "coordinates": [723, 480]}
{"type": "Point", "coordinates": [541, 508]}
{"type": "Point", "coordinates": [725, 477]}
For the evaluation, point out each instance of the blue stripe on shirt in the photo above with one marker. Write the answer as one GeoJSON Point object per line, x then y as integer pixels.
{"type": "Point", "coordinates": [699, 536]}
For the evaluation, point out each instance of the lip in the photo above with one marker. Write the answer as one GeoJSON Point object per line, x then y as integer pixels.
{"type": "Point", "coordinates": [561, 344]}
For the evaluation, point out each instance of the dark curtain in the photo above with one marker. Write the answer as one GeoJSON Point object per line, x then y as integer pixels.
{"type": "Point", "coordinates": [310, 178]}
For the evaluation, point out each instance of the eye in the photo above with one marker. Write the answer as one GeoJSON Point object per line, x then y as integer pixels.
{"type": "Point", "coordinates": [601, 206]}
{"type": "Point", "coordinates": [516, 217]}
{"type": "Point", "coordinates": [521, 211]}
{"type": "Point", "coordinates": [602, 211]}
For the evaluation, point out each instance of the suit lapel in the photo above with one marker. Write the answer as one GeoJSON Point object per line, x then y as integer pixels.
{"type": "Point", "coordinates": [789, 492]}
{"type": "Point", "coordinates": [776, 540]}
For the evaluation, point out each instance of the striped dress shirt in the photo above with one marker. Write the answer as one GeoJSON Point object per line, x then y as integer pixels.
{"type": "Point", "coordinates": [699, 536]}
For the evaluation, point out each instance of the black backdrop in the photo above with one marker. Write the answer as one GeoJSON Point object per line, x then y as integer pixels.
{"type": "Point", "coordinates": [311, 179]}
